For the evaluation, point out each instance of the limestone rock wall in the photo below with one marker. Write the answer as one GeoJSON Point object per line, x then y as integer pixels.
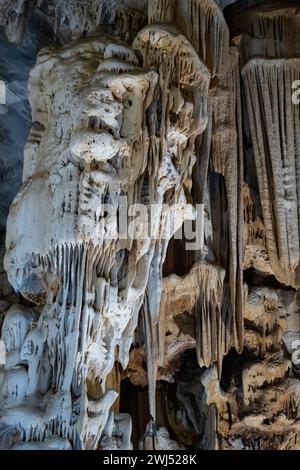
{"type": "Point", "coordinates": [184, 114]}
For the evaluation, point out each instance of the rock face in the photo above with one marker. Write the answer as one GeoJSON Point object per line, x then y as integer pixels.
{"type": "Point", "coordinates": [152, 249]}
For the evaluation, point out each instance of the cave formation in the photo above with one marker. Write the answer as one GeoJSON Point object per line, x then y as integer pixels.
{"type": "Point", "coordinates": [184, 113]}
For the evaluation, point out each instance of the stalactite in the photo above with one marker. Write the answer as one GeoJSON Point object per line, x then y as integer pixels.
{"type": "Point", "coordinates": [14, 15]}
{"type": "Point", "coordinates": [226, 160]}
{"type": "Point", "coordinates": [139, 113]}
{"type": "Point", "coordinates": [200, 292]}
{"type": "Point", "coordinates": [269, 31]}
{"type": "Point", "coordinates": [273, 123]}
{"type": "Point", "coordinates": [203, 24]}
{"type": "Point", "coordinates": [70, 265]}
{"type": "Point", "coordinates": [181, 73]}
{"type": "Point", "coordinates": [161, 11]}
{"type": "Point", "coordinates": [80, 16]}
{"type": "Point", "coordinates": [206, 28]}
{"type": "Point", "coordinates": [70, 270]}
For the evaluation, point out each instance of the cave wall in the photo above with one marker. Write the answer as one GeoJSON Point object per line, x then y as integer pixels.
{"type": "Point", "coordinates": [109, 342]}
